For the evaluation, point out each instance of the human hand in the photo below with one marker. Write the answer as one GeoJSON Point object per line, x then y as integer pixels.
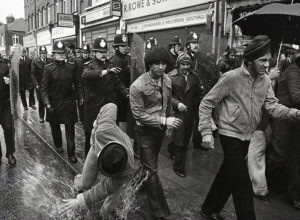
{"type": "Point", "coordinates": [37, 87]}
{"type": "Point", "coordinates": [70, 206]}
{"type": "Point", "coordinates": [49, 107]}
{"type": "Point", "coordinates": [6, 80]}
{"type": "Point", "coordinates": [172, 122]}
{"type": "Point", "coordinates": [208, 141]}
{"type": "Point", "coordinates": [115, 70]}
{"type": "Point", "coordinates": [274, 73]}
{"type": "Point", "coordinates": [169, 132]}
{"type": "Point", "coordinates": [182, 107]}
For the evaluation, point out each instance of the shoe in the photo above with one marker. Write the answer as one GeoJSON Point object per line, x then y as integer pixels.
{"type": "Point", "coordinates": [42, 120]}
{"type": "Point", "coordinates": [180, 173]}
{"type": "Point", "coordinates": [25, 108]}
{"type": "Point", "coordinates": [11, 159]}
{"type": "Point", "coordinates": [33, 107]}
{"type": "Point", "coordinates": [213, 216]}
{"type": "Point", "coordinates": [59, 149]}
{"type": "Point", "coordinates": [262, 198]}
{"type": "Point", "coordinates": [73, 159]}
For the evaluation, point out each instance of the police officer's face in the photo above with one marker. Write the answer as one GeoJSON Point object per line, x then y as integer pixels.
{"type": "Point", "coordinates": [85, 55]}
{"type": "Point", "coordinates": [59, 56]}
{"type": "Point", "coordinates": [158, 69]}
{"type": "Point", "coordinates": [261, 64]}
{"type": "Point", "coordinates": [184, 67]}
{"type": "Point", "coordinates": [194, 47]}
{"type": "Point", "coordinates": [100, 55]}
{"type": "Point", "coordinates": [176, 48]}
{"type": "Point", "coordinates": [122, 49]}
{"type": "Point", "coordinates": [78, 54]}
{"type": "Point", "coordinates": [43, 55]}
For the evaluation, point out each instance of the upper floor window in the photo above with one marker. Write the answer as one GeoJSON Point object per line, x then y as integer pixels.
{"type": "Point", "coordinates": [48, 14]}
{"type": "Point", "coordinates": [15, 39]}
{"type": "Point", "coordinates": [74, 6]}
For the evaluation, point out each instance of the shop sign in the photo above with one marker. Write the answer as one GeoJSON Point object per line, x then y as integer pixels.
{"type": "Point", "coordinates": [99, 2]}
{"type": "Point", "coordinates": [29, 41]}
{"type": "Point", "coordinates": [185, 19]}
{"type": "Point", "coordinates": [97, 14]}
{"type": "Point", "coordinates": [65, 20]}
{"type": "Point", "coordinates": [43, 38]}
{"type": "Point", "coordinates": [59, 32]}
{"type": "Point", "coordinates": [140, 8]}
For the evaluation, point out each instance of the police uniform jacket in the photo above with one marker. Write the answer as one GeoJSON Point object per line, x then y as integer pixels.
{"type": "Point", "coordinates": [99, 90]}
{"type": "Point", "coordinates": [60, 88]}
{"type": "Point", "coordinates": [4, 94]}
{"type": "Point", "coordinates": [122, 61]}
{"type": "Point", "coordinates": [37, 68]}
{"type": "Point", "coordinates": [25, 81]}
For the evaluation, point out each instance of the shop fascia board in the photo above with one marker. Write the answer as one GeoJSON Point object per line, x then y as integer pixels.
{"type": "Point", "coordinates": [104, 21]}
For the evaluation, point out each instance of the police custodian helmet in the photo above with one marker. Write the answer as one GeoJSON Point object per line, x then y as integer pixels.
{"type": "Point", "coordinates": [100, 45]}
{"type": "Point", "coordinates": [175, 41]}
{"type": "Point", "coordinates": [120, 40]}
{"type": "Point", "coordinates": [86, 48]}
{"type": "Point", "coordinates": [151, 42]}
{"type": "Point", "coordinates": [42, 49]}
{"type": "Point", "coordinates": [192, 38]}
{"type": "Point", "coordinates": [58, 47]}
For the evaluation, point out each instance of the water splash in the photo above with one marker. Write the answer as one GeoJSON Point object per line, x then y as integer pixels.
{"type": "Point", "coordinates": [42, 189]}
{"type": "Point", "coordinates": [128, 195]}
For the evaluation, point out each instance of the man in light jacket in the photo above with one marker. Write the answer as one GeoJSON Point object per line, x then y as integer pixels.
{"type": "Point", "coordinates": [240, 94]}
{"type": "Point", "coordinates": [111, 154]}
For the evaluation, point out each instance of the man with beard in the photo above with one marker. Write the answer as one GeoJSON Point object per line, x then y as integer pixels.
{"type": "Point", "coordinates": [121, 60]}
{"type": "Point", "coordinates": [240, 95]}
{"type": "Point", "coordinates": [174, 48]}
{"type": "Point", "coordinates": [151, 105]}
{"type": "Point", "coordinates": [186, 94]}
{"type": "Point", "coordinates": [101, 85]}
{"type": "Point", "coordinates": [60, 88]}
{"type": "Point", "coordinates": [25, 81]}
{"type": "Point", "coordinates": [37, 68]}
{"type": "Point", "coordinates": [227, 61]}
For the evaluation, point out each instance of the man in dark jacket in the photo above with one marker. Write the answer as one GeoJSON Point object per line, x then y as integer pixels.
{"type": "Point", "coordinates": [5, 114]}
{"type": "Point", "coordinates": [121, 60]}
{"type": "Point", "coordinates": [101, 85]}
{"type": "Point", "coordinates": [60, 88]}
{"type": "Point", "coordinates": [25, 81]}
{"type": "Point", "coordinates": [186, 94]}
{"type": "Point", "coordinates": [37, 68]}
{"type": "Point", "coordinates": [174, 48]}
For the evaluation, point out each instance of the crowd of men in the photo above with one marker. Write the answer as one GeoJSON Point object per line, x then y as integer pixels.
{"type": "Point", "coordinates": [183, 94]}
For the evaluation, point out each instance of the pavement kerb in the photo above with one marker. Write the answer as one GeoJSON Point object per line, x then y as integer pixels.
{"type": "Point", "coordinates": [73, 169]}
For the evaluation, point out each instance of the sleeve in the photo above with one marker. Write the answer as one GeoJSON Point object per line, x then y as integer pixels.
{"type": "Point", "coordinates": [44, 87]}
{"type": "Point", "coordinates": [138, 108]}
{"type": "Point", "coordinates": [293, 86]}
{"type": "Point", "coordinates": [77, 85]}
{"type": "Point", "coordinates": [208, 103]}
{"type": "Point", "coordinates": [119, 86]}
{"type": "Point", "coordinates": [33, 74]}
{"type": "Point", "coordinates": [89, 73]}
{"type": "Point", "coordinates": [278, 110]}
{"type": "Point", "coordinates": [174, 101]}
{"type": "Point", "coordinates": [169, 109]}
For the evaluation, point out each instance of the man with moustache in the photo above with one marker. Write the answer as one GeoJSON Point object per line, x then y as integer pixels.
{"type": "Point", "coordinates": [174, 49]}
{"type": "Point", "coordinates": [101, 86]}
{"type": "Point", "coordinates": [37, 68]}
{"type": "Point", "coordinates": [239, 95]}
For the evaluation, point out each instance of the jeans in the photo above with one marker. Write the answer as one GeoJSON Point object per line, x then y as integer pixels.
{"type": "Point", "coordinates": [149, 141]}
{"type": "Point", "coordinates": [232, 178]}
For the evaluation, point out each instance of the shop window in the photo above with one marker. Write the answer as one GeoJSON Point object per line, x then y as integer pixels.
{"type": "Point", "coordinates": [15, 39]}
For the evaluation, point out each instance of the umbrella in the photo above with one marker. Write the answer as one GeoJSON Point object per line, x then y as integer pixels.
{"type": "Point", "coordinates": [281, 22]}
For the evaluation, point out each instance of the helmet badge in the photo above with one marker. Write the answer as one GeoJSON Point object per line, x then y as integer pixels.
{"type": "Point", "coordinates": [102, 43]}
{"type": "Point", "coordinates": [124, 38]}
{"type": "Point", "coordinates": [85, 47]}
{"type": "Point", "coordinates": [195, 36]}
{"type": "Point", "coordinates": [59, 45]}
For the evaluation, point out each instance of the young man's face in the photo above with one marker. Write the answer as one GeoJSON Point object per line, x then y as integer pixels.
{"type": "Point", "coordinates": [261, 64]}
{"type": "Point", "coordinates": [184, 67]}
{"type": "Point", "coordinates": [158, 69]}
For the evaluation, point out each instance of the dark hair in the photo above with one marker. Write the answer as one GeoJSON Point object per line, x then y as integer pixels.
{"type": "Point", "coordinates": [157, 54]}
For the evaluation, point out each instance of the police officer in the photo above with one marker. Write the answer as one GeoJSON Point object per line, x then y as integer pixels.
{"type": "Point", "coordinates": [78, 52]}
{"type": "Point", "coordinates": [25, 81]}
{"type": "Point", "coordinates": [37, 68]}
{"type": "Point", "coordinates": [5, 114]}
{"type": "Point", "coordinates": [151, 42]}
{"type": "Point", "coordinates": [192, 47]}
{"type": "Point", "coordinates": [60, 86]}
{"type": "Point", "coordinates": [174, 49]}
{"type": "Point", "coordinates": [101, 85]}
{"type": "Point", "coordinates": [86, 53]}
{"type": "Point", "coordinates": [121, 60]}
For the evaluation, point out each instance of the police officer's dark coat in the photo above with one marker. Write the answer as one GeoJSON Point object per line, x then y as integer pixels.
{"type": "Point", "coordinates": [4, 89]}
{"type": "Point", "coordinates": [25, 81]}
{"type": "Point", "coordinates": [37, 68]}
{"type": "Point", "coordinates": [189, 93]}
{"type": "Point", "coordinates": [122, 61]}
{"type": "Point", "coordinates": [60, 88]}
{"type": "Point", "coordinates": [99, 90]}
{"type": "Point", "coordinates": [172, 64]}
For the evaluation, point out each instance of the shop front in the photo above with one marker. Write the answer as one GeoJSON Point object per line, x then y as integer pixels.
{"type": "Point", "coordinates": [164, 19]}
{"type": "Point", "coordinates": [64, 34]}
{"type": "Point", "coordinates": [29, 42]}
{"type": "Point", "coordinates": [44, 39]}
{"type": "Point", "coordinates": [101, 19]}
